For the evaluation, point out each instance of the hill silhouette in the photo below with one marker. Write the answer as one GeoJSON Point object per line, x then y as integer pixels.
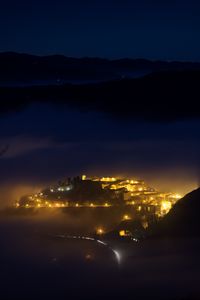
{"type": "Point", "coordinates": [183, 219]}
{"type": "Point", "coordinates": [26, 68]}
{"type": "Point", "coordinates": [162, 96]}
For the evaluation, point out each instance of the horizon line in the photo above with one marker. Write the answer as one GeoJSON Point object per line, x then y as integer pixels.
{"type": "Point", "coordinates": [153, 60]}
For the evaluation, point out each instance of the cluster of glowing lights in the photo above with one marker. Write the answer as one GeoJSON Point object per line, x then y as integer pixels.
{"type": "Point", "coordinates": [64, 189]}
{"type": "Point", "coordinates": [46, 204]}
{"type": "Point", "coordinates": [108, 179]}
{"type": "Point", "coordinates": [132, 181]}
{"type": "Point", "coordinates": [176, 196]}
{"type": "Point", "coordinates": [166, 206]}
{"type": "Point", "coordinates": [162, 202]}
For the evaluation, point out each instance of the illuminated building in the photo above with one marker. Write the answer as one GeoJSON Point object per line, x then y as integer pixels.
{"type": "Point", "coordinates": [105, 192]}
{"type": "Point", "coordinates": [124, 233]}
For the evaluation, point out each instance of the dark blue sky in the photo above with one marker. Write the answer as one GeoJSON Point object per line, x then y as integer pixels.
{"type": "Point", "coordinates": [141, 28]}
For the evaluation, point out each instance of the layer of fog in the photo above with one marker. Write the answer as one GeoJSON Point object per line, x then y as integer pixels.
{"type": "Point", "coordinates": [35, 264]}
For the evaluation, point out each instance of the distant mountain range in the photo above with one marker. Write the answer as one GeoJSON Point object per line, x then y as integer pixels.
{"type": "Point", "coordinates": [25, 69]}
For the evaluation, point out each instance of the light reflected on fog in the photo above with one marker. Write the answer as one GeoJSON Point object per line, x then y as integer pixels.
{"type": "Point", "coordinates": [117, 255]}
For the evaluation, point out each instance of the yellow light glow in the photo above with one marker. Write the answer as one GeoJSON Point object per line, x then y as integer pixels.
{"type": "Point", "coordinates": [122, 233]}
{"type": "Point", "coordinates": [100, 231]}
{"type": "Point", "coordinates": [77, 204]}
{"type": "Point", "coordinates": [83, 177]}
{"type": "Point", "coordinates": [91, 204]}
{"type": "Point", "coordinates": [50, 205]}
{"type": "Point", "coordinates": [177, 196]}
{"type": "Point", "coordinates": [27, 205]}
{"type": "Point", "coordinates": [38, 205]}
{"type": "Point", "coordinates": [166, 206]}
{"type": "Point", "coordinates": [113, 187]}
{"type": "Point", "coordinates": [106, 204]}
{"type": "Point", "coordinates": [145, 224]}
{"type": "Point", "coordinates": [108, 179]}
{"type": "Point", "coordinates": [126, 217]}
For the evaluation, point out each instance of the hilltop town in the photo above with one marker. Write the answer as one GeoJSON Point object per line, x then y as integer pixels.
{"type": "Point", "coordinates": [105, 192]}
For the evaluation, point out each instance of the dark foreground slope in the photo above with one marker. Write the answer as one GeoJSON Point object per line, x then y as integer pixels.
{"type": "Point", "coordinates": [184, 218]}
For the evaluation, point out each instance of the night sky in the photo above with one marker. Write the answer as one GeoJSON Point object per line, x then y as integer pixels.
{"type": "Point", "coordinates": [141, 28]}
{"type": "Point", "coordinates": [47, 143]}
